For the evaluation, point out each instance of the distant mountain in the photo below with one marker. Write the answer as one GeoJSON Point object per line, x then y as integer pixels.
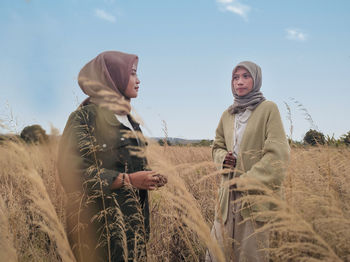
{"type": "Point", "coordinates": [177, 141]}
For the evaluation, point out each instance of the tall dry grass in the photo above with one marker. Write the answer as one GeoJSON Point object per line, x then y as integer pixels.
{"type": "Point", "coordinates": [32, 203]}
{"type": "Point", "coordinates": [311, 224]}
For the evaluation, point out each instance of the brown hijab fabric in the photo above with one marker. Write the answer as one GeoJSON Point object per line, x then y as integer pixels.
{"type": "Point", "coordinates": [105, 79]}
{"type": "Point", "coordinates": [254, 97]}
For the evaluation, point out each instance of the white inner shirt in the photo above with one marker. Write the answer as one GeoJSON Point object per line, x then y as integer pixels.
{"type": "Point", "coordinates": [125, 121]}
{"type": "Point", "coordinates": [240, 123]}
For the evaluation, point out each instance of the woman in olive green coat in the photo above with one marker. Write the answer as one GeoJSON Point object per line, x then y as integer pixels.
{"type": "Point", "coordinates": [103, 166]}
{"type": "Point", "coordinates": [251, 143]}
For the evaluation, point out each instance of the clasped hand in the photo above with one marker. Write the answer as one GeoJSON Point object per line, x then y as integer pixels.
{"type": "Point", "coordinates": [229, 161]}
{"type": "Point", "coordinates": [149, 180]}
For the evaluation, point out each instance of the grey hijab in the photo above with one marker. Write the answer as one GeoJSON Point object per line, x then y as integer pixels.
{"type": "Point", "coordinates": [254, 97]}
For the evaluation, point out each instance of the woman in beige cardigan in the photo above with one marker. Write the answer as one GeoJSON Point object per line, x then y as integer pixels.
{"type": "Point", "coordinates": [251, 143]}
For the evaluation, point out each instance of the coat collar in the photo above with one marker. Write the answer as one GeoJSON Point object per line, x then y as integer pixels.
{"type": "Point", "coordinates": [112, 120]}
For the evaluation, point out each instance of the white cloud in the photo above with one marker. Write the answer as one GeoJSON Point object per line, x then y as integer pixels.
{"type": "Point", "coordinates": [104, 15]}
{"type": "Point", "coordinates": [235, 7]}
{"type": "Point", "coordinates": [224, 1]}
{"type": "Point", "coordinates": [296, 34]}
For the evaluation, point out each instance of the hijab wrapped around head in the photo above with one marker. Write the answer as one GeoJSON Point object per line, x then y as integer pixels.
{"type": "Point", "coordinates": [254, 97]}
{"type": "Point", "coordinates": [105, 79]}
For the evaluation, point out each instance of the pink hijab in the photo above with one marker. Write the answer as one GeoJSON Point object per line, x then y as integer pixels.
{"type": "Point", "coordinates": [105, 79]}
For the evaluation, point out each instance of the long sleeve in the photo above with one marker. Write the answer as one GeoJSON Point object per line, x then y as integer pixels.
{"type": "Point", "coordinates": [78, 163]}
{"type": "Point", "coordinates": [219, 149]}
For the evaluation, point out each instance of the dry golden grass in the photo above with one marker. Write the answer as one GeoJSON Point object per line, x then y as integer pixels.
{"type": "Point", "coordinates": [311, 224]}
{"type": "Point", "coordinates": [32, 203]}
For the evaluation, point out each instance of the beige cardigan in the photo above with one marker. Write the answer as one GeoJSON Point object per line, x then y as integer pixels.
{"type": "Point", "coordinates": [264, 154]}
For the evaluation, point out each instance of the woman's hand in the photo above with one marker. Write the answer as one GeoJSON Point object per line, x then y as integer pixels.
{"type": "Point", "coordinates": [162, 180]}
{"type": "Point", "coordinates": [148, 180]}
{"type": "Point", "coordinates": [229, 161]}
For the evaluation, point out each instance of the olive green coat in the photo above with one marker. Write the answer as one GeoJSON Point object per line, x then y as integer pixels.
{"type": "Point", "coordinates": [103, 223]}
{"type": "Point", "coordinates": [264, 154]}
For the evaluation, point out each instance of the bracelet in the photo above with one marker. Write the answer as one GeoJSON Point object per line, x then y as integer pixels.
{"type": "Point", "coordinates": [123, 179]}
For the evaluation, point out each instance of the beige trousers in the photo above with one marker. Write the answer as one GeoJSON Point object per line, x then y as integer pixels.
{"type": "Point", "coordinates": [237, 239]}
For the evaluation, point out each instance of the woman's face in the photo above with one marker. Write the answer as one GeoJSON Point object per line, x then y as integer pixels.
{"type": "Point", "coordinates": [133, 86]}
{"type": "Point", "coordinates": [242, 81]}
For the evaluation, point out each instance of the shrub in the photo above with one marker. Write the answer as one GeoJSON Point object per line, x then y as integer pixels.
{"type": "Point", "coordinates": [161, 142]}
{"type": "Point", "coordinates": [314, 137]}
{"type": "Point", "coordinates": [34, 134]}
{"type": "Point", "coordinates": [346, 139]}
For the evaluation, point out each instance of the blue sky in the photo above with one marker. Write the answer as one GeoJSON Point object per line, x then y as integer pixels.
{"type": "Point", "coordinates": [186, 49]}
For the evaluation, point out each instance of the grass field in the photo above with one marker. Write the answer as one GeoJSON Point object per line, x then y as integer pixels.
{"type": "Point", "coordinates": [312, 223]}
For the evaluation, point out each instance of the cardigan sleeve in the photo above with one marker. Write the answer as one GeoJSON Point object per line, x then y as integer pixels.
{"type": "Point", "coordinates": [270, 169]}
{"type": "Point", "coordinates": [219, 149]}
{"type": "Point", "coordinates": [77, 163]}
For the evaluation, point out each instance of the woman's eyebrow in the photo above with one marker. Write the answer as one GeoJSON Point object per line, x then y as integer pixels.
{"type": "Point", "coordinates": [235, 74]}
{"type": "Point", "coordinates": [245, 73]}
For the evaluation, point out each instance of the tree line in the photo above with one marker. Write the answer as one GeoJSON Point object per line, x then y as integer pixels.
{"type": "Point", "coordinates": [314, 137]}
{"type": "Point", "coordinates": [35, 134]}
